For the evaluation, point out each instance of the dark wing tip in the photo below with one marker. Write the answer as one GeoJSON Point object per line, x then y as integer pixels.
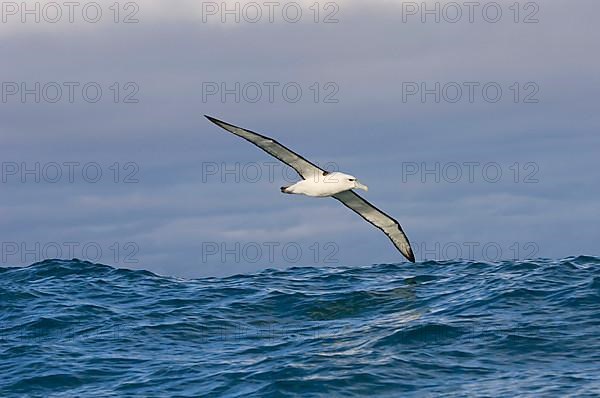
{"type": "Point", "coordinates": [222, 124]}
{"type": "Point", "coordinates": [212, 119]}
{"type": "Point", "coordinates": [411, 256]}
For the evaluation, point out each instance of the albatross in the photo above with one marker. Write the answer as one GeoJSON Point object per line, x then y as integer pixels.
{"type": "Point", "coordinates": [317, 182]}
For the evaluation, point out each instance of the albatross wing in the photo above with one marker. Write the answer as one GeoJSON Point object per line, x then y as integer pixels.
{"type": "Point", "coordinates": [387, 224]}
{"type": "Point", "coordinates": [305, 168]}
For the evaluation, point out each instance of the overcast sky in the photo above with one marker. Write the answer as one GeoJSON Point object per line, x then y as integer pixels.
{"type": "Point", "coordinates": [479, 132]}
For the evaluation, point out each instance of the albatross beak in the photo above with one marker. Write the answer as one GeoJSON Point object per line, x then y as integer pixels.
{"type": "Point", "coordinates": [358, 185]}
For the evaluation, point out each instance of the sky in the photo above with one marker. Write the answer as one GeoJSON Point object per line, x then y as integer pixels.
{"type": "Point", "coordinates": [475, 126]}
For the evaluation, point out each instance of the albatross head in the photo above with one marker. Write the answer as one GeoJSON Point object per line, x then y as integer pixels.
{"type": "Point", "coordinates": [352, 182]}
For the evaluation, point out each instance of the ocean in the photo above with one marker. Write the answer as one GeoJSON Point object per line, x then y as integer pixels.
{"type": "Point", "coordinates": [449, 328]}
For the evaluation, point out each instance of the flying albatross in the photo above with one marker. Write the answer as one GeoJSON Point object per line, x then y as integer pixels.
{"type": "Point", "coordinates": [320, 183]}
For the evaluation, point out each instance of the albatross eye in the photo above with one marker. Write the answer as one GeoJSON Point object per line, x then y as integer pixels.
{"type": "Point", "coordinates": [351, 179]}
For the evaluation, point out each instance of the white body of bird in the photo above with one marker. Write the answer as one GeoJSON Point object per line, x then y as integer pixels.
{"type": "Point", "coordinates": [325, 185]}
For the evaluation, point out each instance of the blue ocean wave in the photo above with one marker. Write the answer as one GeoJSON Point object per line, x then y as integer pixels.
{"type": "Point", "coordinates": [450, 328]}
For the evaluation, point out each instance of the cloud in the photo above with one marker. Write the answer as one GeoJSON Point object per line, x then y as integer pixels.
{"type": "Point", "coordinates": [372, 131]}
